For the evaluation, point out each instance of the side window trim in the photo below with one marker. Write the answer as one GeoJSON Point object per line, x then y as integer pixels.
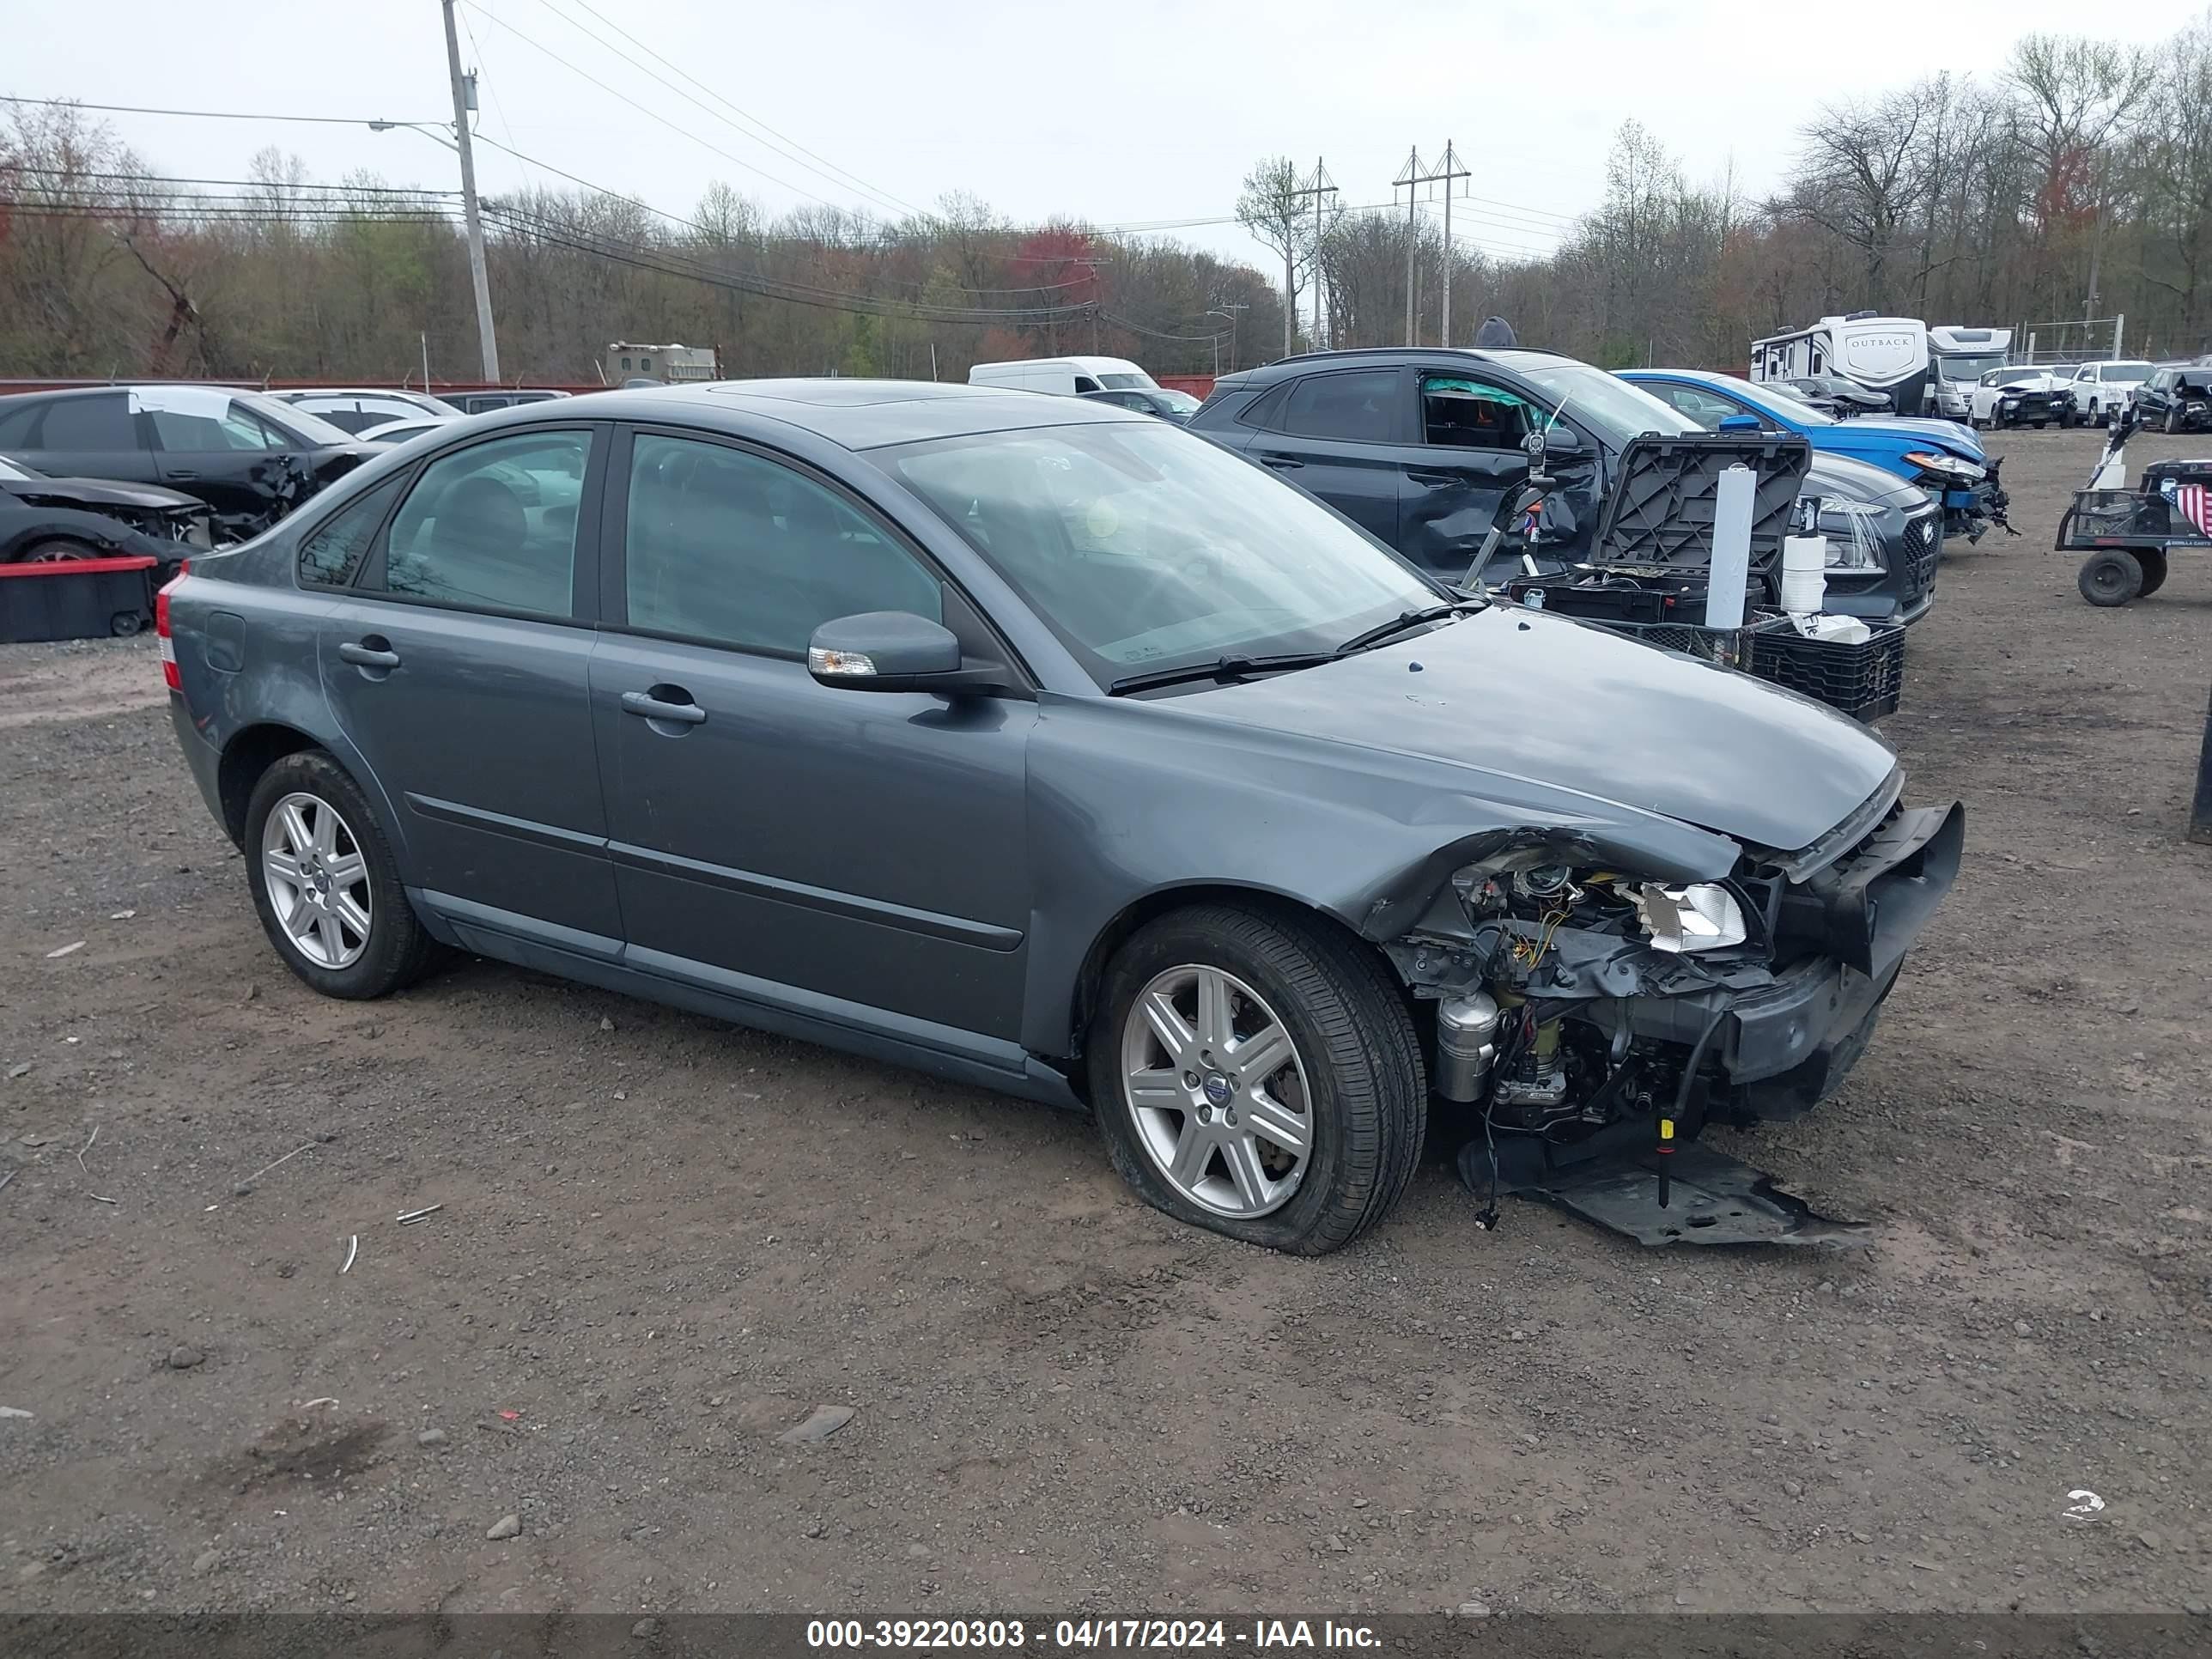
{"type": "Point", "coordinates": [584, 588]}
{"type": "Point", "coordinates": [614, 545]}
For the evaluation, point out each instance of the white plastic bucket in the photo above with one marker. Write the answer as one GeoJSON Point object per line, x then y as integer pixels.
{"type": "Point", "coordinates": [1804, 578]}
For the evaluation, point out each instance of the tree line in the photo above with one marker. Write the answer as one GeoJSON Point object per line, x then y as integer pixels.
{"type": "Point", "coordinates": [2078, 183]}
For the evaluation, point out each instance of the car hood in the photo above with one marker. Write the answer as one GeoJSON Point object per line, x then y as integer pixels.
{"type": "Point", "coordinates": [1542, 701]}
{"type": "Point", "coordinates": [1946, 435]}
{"type": "Point", "coordinates": [96, 493]}
{"type": "Point", "coordinates": [1854, 480]}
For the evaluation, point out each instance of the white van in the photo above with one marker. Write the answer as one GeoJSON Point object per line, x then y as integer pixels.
{"type": "Point", "coordinates": [1065, 375]}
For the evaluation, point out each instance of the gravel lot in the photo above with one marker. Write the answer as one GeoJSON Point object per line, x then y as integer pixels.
{"type": "Point", "coordinates": [665, 1241]}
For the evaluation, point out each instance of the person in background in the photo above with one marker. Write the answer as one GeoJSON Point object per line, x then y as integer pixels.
{"type": "Point", "coordinates": [1496, 333]}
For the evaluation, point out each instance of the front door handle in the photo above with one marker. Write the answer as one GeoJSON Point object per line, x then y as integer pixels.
{"type": "Point", "coordinates": [1282, 463]}
{"type": "Point", "coordinates": [671, 703]}
{"type": "Point", "coordinates": [371, 652]}
{"type": "Point", "coordinates": [182, 472]}
{"type": "Point", "coordinates": [1437, 479]}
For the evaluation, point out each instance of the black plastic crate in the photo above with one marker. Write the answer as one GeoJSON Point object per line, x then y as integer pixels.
{"type": "Point", "coordinates": [1863, 679]}
{"type": "Point", "coordinates": [75, 599]}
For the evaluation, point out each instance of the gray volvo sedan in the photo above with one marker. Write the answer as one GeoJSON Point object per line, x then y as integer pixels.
{"type": "Point", "coordinates": [1050, 748]}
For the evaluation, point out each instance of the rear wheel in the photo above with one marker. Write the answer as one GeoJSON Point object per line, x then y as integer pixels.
{"type": "Point", "coordinates": [58, 549]}
{"type": "Point", "coordinates": [1257, 1074]}
{"type": "Point", "coordinates": [325, 883]}
{"type": "Point", "coordinates": [2153, 573]}
{"type": "Point", "coordinates": [2110, 578]}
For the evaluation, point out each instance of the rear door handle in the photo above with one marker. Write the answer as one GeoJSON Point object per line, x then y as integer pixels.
{"type": "Point", "coordinates": [663, 702]}
{"type": "Point", "coordinates": [1282, 463]}
{"type": "Point", "coordinates": [370, 652]}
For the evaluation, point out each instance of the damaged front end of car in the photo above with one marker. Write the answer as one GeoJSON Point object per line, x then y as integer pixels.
{"type": "Point", "coordinates": [1596, 1019]}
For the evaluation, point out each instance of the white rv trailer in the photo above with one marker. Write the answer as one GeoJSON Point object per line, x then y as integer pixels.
{"type": "Point", "coordinates": [1884, 354]}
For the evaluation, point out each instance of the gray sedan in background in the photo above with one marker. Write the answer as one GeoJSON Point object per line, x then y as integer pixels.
{"type": "Point", "coordinates": [1050, 748]}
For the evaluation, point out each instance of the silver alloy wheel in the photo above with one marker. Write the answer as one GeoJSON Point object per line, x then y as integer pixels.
{"type": "Point", "coordinates": [1217, 1091]}
{"type": "Point", "coordinates": [318, 881]}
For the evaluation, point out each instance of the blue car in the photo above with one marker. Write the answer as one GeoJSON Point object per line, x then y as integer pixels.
{"type": "Point", "coordinates": [1942, 457]}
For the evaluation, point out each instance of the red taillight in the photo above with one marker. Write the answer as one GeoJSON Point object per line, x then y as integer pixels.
{"type": "Point", "coordinates": [161, 628]}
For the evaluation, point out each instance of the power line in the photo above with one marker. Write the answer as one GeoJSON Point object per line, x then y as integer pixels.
{"type": "Point", "coordinates": [214, 114]}
{"type": "Point", "coordinates": [885, 197]}
{"type": "Point", "coordinates": [709, 230]}
{"type": "Point", "coordinates": [653, 114]}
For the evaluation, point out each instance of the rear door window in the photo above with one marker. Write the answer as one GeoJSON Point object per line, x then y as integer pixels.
{"type": "Point", "coordinates": [1359, 406]}
{"type": "Point", "coordinates": [493, 527]}
{"type": "Point", "coordinates": [90, 423]}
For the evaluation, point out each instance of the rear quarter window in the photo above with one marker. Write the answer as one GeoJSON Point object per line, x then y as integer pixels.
{"type": "Point", "coordinates": [332, 556]}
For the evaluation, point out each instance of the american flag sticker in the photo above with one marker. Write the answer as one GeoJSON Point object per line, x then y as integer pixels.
{"type": "Point", "coordinates": [2195, 506]}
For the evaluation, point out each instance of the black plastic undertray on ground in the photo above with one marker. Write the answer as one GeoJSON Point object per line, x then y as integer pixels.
{"type": "Point", "coordinates": [1659, 513]}
{"type": "Point", "coordinates": [75, 599]}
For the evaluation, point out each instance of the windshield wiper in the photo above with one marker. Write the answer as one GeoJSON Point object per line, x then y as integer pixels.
{"type": "Point", "coordinates": [1223, 669]}
{"type": "Point", "coordinates": [1404, 620]}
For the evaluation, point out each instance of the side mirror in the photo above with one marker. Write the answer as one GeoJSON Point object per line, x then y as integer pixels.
{"type": "Point", "coordinates": [889, 651]}
{"type": "Point", "coordinates": [1738, 423]}
{"type": "Point", "coordinates": [1561, 443]}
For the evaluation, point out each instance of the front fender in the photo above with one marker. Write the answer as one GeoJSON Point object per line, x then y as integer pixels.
{"type": "Point", "coordinates": [1128, 804]}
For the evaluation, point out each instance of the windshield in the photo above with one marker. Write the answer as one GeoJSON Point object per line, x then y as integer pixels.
{"type": "Point", "coordinates": [1617, 409]}
{"type": "Point", "coordinates": [1123, 382]}
{"type": "Point", "coordinates": [10, 470]}
{"type": "Point", "coordinates": [2132, 373]}
{"type": "Point", "coordinates": [1176, 403]}
{"type": "Point", "coordinates": [1144, 548]}
{"type": "Point", "coordinates": [1800, 413]}
{"type": "Point", "coordinates": [1959, 367]}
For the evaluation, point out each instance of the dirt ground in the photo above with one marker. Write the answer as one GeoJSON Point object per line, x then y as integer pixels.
{"type": "Point", "coordinates": [664, 1240]}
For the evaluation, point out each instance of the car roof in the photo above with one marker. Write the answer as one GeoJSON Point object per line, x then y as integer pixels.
{"type": "Point", "coordinates": [291, 394]}
{"type": "Point", "coordinates": [853, 413]}
{"type": "Point", "coordinates": [1518, 357]}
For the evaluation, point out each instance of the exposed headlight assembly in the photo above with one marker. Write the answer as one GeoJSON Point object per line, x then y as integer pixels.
{"type": "Point", "coordinates": [1950, 465]}
{"type": "Point", "coordinates": [1704, 916]}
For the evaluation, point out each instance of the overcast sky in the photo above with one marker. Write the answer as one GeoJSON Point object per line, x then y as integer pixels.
{"type": "Point", "coordinates": [1120, 111]}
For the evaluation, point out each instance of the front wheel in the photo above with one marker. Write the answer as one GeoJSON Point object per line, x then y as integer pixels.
{"type": "Point", "coordinates": [325, 883]}
{"type": "Point", "coordinates": [1256, 1073]}
{"type": "Point", "coordinates": [2110, 577]}
{"type": "Point", "coordinates": [2173, 420]}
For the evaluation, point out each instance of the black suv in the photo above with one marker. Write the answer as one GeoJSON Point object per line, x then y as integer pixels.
{"type": "Point", "coordinates": [1425, 446]}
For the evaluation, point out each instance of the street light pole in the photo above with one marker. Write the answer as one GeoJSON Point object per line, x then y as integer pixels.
{"type": "Point", "coordinates": [474, 220]}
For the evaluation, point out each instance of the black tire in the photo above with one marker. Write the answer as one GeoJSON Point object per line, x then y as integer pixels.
{"type": "Point", "coordinates": [2153, 573]}
{"type": "Point", "coordinates": [124, 623]}
{"type": "Point", "coordinates": [1367, 1105]}
{"type": "Point", "coordinates": [2110, 577]}
{"type": "Point", "coordinates": [2172, 419]}
{"type": "Point", "coordinates": [397, 950]}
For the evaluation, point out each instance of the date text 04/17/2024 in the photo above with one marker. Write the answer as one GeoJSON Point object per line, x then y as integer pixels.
{"type": "Point", "coordinates": [1168, 1635]}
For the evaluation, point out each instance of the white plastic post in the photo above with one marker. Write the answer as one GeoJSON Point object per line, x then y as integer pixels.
{"type": "Point", "coordinates": [1729, 572]}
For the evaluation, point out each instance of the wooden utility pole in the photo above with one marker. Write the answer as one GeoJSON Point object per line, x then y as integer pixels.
{"type": "Point", "coordinates": [478, 276]}
{"type": "Point", "coordinates": [1323, 186]}
{"type": "Point", "coordinates": [1446, 170]}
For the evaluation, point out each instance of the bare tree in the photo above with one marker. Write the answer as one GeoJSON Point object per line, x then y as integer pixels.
{"type": "Point", "coordinates": [1271, 208]}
